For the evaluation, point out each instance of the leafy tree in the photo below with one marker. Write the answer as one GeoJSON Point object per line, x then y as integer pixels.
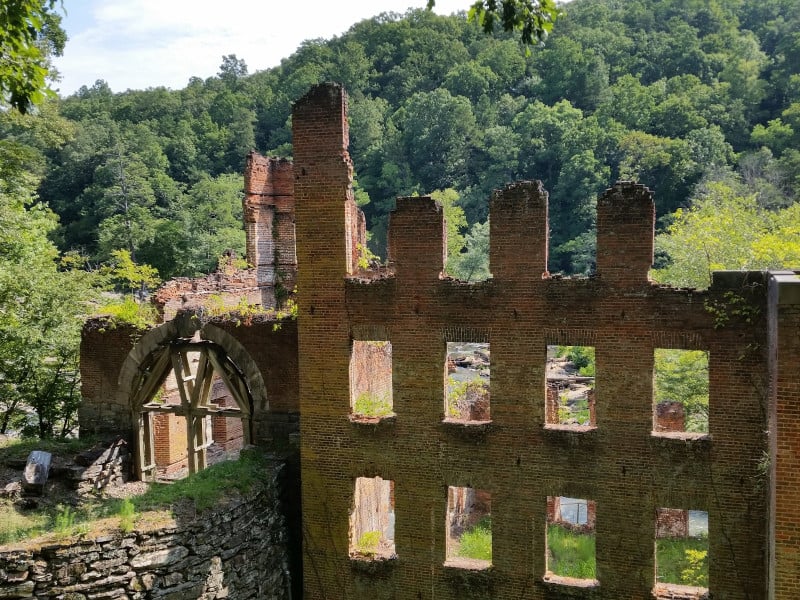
{"type": "Point", "coordinates": [42, 306]}
{"type": "Point", "coordinates": [30, 32]}
{"type": "Point", "coordinates": [727, 231]}
{"type": "Point", "coordinates": [454, 216]}
{"type": "Point", "coordinates": [473, 263]}
{"type": "Point", "coordinates": [682, 376]}
{"type": "Point", "coordinates": [532, 18]}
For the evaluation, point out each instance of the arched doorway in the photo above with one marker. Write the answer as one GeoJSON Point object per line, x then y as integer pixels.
{"type": "Point", "coordinates": [174, 374]}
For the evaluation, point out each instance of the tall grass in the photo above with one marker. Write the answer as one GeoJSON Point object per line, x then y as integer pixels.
{"type": "Point", "coordinates": [477, 541]}
{"type": "Point", "coordinates": [682, 560]}
{"type": "Point", "coordinates": [570, 554]}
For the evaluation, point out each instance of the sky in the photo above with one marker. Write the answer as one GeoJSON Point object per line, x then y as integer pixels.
{"type": "Point", "coordinates": [136, 44]}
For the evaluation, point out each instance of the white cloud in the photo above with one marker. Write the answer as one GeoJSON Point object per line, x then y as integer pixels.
{"type": "Point", "coordinates": [147, 43]}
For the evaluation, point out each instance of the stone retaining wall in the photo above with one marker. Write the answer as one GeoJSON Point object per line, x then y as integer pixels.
{"type": "Point", "coordinates": [236, 550]}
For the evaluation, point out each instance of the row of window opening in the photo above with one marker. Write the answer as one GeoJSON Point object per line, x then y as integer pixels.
{"type": "Point", "coordinates": [680, 385]}
{"type": "Point", "coordinates": [681, 546]}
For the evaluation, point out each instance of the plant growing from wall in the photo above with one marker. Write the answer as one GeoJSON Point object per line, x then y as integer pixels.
{"type": "Point", "coordinates": [367, 544]}
{"type": "Point", "coordinates": [368, 404]}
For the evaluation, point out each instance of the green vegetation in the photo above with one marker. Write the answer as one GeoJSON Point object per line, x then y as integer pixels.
{"type": "Point", "coordinates": [579, 410]}
{"type": "Point", "coordinates": [201, 491]}
{"type": "Point", "coordinates": [367, 544]}
{"type": "Point", "coordinates": [30, 33]}
{"type": "Point", "coordinates": [682, 376]}
{"type": "Point", "coordinates": [569, 553]}
{"type": "Point", "coordinates": [682, 560]}
{"type": "Point", "coordinates": [372, 405]}
{"type": "Point", "coordinates": [476, 542]}
{"type": "Point", "coordinates": [582, 357]}
{"type": "Point", "coordinates": [461, 395]}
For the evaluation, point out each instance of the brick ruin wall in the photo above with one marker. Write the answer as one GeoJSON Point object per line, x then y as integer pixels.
{"type": "Point", "coordinates": [621, 464]}
{"type": "Point", "coordinates": [269, 215]}
{"type": "Point", "coordinates": [272, 345]}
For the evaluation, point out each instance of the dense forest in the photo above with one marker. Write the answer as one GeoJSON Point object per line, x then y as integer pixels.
{"type": "Point", "coordinates": [700, 100]}
{"type": "Point", "coordinates": [669, 93]}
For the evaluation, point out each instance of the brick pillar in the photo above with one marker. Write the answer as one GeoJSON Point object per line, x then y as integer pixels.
{"type": "Point", "coordinates": [329, 231]}
{"type": "Point", "coordinates": [784, 341]}
{"type": "Point", "coordinates": [269, 223]}
{"type": "Point", "coordinates": [519, 220]}
{"type": "Point", "coordinates": [625, 228]}
{"type": "Point", "coordinates": [417, 239]}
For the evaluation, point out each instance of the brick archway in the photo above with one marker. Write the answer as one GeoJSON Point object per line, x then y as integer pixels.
{"type": "Point", "coordinates": [198, 355]}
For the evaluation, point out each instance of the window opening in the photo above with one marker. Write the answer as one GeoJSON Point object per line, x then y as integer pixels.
{"type": "Point", "coordinates": [571, 538]}
{"type": "Point", "coordinates": [569, 386]}
{"type": "Point", "coordinates": [372, 519]}
{"type": "Point", "coordinates": [195, 413]}
{"type": "Point", "coordinates": [371, 379]}
{"type": "Point", "coordinates": [467, 378]}
{"type": "Point", "coordinates": [469, 528]}
{"type": "Point", "coordinates": [680, 391]}
{"type": "Point", "coordinates": [681, 552]}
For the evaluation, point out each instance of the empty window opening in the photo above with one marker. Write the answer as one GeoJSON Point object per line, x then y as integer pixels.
{"type": "Point", "coordinates": [569, 381]}
{"type": "Point", "coordinates": [571, 537]}
{"type": "Point", "coordinates": [468, 377]}
{"type": "Point", "coordinates": [681, 552]}
{"type": "Point", "coordinates": [192, 420]}
{"type": "Point", "coordinates": [469, 528]}
{"type": "Point", "coordinates": [371, 380]}
{"type": "Point", "coordinates": [372, 519]}
{"type": "Point", "coordinates": [680, 391]}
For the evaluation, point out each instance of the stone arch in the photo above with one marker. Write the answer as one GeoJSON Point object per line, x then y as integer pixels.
{"type": "Point", "coordinates": [164, 350]}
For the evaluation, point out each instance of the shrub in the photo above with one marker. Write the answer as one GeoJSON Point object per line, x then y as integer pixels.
{"type": "Point", "coordinates": [570, 554]}
{"type": "Point", "coordinates": [477, 541]}
{"type": "Point", "coordinates": [367, 544]}
{"type": "Point", "coordinates": [372, 405]}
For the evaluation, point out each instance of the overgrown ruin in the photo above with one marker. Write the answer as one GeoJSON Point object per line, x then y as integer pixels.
{"type": "Point", "coordinates": [418, 469]}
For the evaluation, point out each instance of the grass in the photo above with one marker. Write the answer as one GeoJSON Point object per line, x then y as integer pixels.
{"type": "Point", "coordinates": [367, 544]}
{"type": "Point", "coordinates": [477, 542]}
{"type": "Point", "coordinates": [372, 405]}
{"type": "Point", "coordinates": [15, 526]}
{"type": "Point", "coordinates": [202, 490]}
{"type": "Point", "coordinates": [682, 560]}
{"type": "Point", "coordinates": [20, 448]}
{"type": "Point", "coordinates": [570, 554]}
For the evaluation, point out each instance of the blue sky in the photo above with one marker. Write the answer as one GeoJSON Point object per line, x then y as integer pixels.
{"type": "Point", "coordinates": [136, 44]}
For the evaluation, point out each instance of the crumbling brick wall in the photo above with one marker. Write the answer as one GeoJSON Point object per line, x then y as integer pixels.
{"type": "Point", "coordinates": [269, 225]}
{"type": "Point", "coordinates": [622, 465]}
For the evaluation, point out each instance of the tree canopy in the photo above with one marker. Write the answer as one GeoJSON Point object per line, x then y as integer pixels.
{"type": "Point", "coordinates": [30, 32]}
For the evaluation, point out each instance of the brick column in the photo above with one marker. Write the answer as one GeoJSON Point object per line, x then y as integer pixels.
{"type": "Point", "coordinates": [784, 334]}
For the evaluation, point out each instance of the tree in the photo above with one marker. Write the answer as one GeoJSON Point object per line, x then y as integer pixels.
{"type": "Point", "coordinates": [43, 302]}
{"type": "Point", "coordinates": [473, 263]}
{"type": "Point", "coordinates": [29, 33]}
{"type": "Point", "coordinates": [533, 19]}
{"type": "Point", "coordinates": [725, 230]}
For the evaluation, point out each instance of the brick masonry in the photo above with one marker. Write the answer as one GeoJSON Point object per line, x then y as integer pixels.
{"type": "Point", "coordinates": [743, 473]}
{"type": "Point", "coordinates": [622, 465]}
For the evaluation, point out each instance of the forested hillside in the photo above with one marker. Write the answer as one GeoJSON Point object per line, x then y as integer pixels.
{"type": "Point", "coordinates": [668, 92]}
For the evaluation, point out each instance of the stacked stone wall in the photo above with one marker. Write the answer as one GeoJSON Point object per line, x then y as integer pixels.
{"type": "Point", "coordinates": [236, 550]}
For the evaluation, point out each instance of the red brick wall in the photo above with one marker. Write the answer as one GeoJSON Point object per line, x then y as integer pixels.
{"type": "Point", "coordinates": [103, 350]}
{"type": "Point", "coordinates": [371, 369]}
{"type": "Point", "coordinates": [626, 469]}
{"type": "Point", "coordinates": [784, 456]}
{"type": "Point", "coordinates": [169, 437]}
